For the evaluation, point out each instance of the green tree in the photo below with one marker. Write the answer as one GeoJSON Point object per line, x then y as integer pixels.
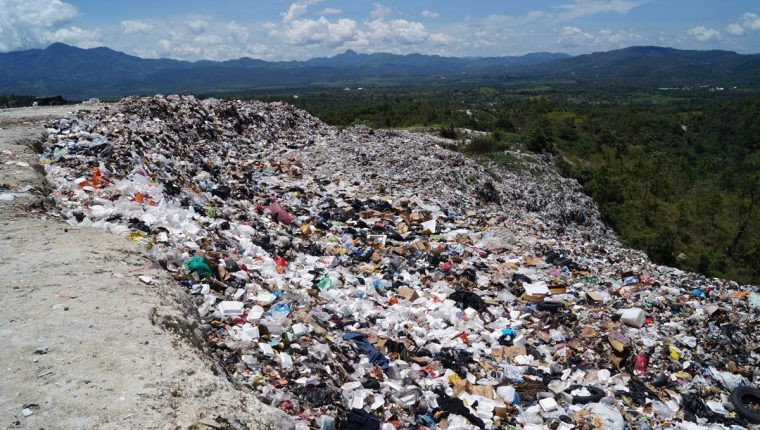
{"type": "Point", "coordinates": [539, 137]}
{"type": "Point", "coordinates": [704, 264]}
{"type": "Point", "coordinates": [663, 248]}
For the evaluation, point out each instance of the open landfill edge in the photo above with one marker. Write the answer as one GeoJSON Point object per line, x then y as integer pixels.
{"type": "Point", "coordinates": [361, 279]}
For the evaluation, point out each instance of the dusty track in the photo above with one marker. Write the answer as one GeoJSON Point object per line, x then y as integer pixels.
{"type": "Point", "coordinates": [121, 353]}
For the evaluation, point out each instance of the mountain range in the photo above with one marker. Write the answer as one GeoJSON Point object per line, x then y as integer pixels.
{"type": "Point", "coordinates": [102, 72]}
{"type": "Point", "coordinates": [656, 65]}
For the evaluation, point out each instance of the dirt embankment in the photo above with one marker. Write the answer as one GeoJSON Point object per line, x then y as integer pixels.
{"type": "Point", "coordinates": [85, 342]}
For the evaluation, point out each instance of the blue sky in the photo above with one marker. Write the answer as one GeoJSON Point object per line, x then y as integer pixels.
{"type": "Point", "coordinates": [300, 29]}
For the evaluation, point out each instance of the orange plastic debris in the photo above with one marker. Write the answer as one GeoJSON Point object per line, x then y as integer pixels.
{"type": "Point", "coordinates": [97, 177]}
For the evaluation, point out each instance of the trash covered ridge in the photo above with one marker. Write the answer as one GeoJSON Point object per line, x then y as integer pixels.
{"type": "Point", "coordinates": [372, 279]}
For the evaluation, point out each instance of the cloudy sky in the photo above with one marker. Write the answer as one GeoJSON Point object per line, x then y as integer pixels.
{"type": "Point", "coordinates": [301, 29]}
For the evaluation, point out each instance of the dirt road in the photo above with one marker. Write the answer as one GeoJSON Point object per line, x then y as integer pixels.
{"type": "Point", "coordinates": [84, 343]}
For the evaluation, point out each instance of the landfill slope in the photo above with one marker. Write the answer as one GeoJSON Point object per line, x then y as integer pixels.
{"type": "Point", "coordinates": [374, 279]}
{"type": "Point", "coordinates": [86, 344]}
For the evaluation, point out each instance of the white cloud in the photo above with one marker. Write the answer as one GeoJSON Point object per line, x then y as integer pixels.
{"type": "Point", "coordinates": [751, 21]}
{"type": "Point", "coordinates": [429, 14]}
{"type": "Point", "coordinates": [208, 39]}
{"type": "Point", "coordinates": [196, 38]}
{"type": "Point", "coordinates": [76, 36]}
{"type": "Point", "coordinates": [440, 39]}
{"type": "Point", "coordinates": [315, 31]}
{"type": "Point", "coordinates": [379, 11]}
{"type": "Point", "coordinates": [494, 35]}
{"type": "Point", "coordinates": [580, 8]}
{"type": "Point", "coordinates": [305, 28]}
{"type": "Point", "coordinates": [36, 23]}
{"type": "Point", "coordinates": [330, 11]}
{"type": "Point", "coordinates": [197, 25]}
{"type": "Point", "coordinates": [165, 45]}
{"type": "Point", "coordinates": [42, 13]}
{"type": "Point", "coordinates": [217, 46]}
{"type": "Point", "coordinates": [619, 38]}
{"type": "Point", "coordinates": [704, 34]}
{"type": "Point", "coordinates": [375, 34]}
{"type": "Point", "coordinates": [573, 37]}
{"type": "Point", "coordinates": [747, 23]}
{"type": "Point", "coordinates": [398, 31]}
{"type": "Point", "coordinates": [297, 9]}
{"type": "Point", "coordinates": [238, 32]}
{"type": "Point", "coordinates": [735, 29]}
{"type": "Point", "coordinates": [135, 26]}
{"type": "Point", "coordinates": [294, 11]}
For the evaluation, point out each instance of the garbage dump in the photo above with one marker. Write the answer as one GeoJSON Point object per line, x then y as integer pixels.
{"type": "Point", "coordinates": [363, 279]}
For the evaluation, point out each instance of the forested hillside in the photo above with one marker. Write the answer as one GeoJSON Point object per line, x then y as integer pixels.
{"type": "Point", "coordinates": [683, 185]}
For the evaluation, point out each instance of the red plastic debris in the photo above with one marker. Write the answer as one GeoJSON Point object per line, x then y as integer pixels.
{"type": "Point", "coordinates": [640, 364]}
{"type": "Point", "coordinates": [280, 213]}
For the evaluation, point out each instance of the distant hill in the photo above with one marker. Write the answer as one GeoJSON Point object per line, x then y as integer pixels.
{"type": "Point", "coordinates": [102, 72]}
{"type": "Point", "coordinates": [419, 64]}
{"type": "Point", "coordinates": [654, 65]}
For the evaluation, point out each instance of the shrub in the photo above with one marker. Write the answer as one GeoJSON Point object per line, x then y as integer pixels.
{"type": "Point", "coordinates": [448, 132]}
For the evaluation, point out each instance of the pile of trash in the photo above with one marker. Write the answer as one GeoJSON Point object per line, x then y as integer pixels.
{"type": "Point", "coordinates": [364, 279]}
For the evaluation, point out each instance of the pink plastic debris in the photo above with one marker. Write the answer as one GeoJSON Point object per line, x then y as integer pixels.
{"type": "Point", "coordinates": [282, 215]}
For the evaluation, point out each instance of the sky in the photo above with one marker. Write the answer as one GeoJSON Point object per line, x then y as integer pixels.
{"type": "Point", "coordinates": [302, 29]}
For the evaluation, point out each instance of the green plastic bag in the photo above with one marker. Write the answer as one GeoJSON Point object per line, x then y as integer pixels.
{"type": "Point", "coordinates": [324, 284]}
{"type": "Point", "coordinates": [199, 266]}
